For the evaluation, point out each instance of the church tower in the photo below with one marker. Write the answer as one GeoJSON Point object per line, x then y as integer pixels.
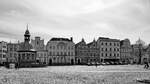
{"type": "Point", "coordinates": [27, 35]}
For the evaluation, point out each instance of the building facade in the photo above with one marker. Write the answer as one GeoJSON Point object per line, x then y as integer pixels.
{"type": "Point", "coordinates": [61, 51]}
{"type": "Point", "coordinates": [138, 51]}
{"type": "Point", "coordinates": [3, 52]}
{"type": "Point", "coordinates": [12, 54]}
{"type": "Point", "coordinates": [109, 49]}
{"type": "Point", "coordinates": [125, 51]}
{"type": "Point", "coordinates": [42, 57]}
{"type": "Point", "coordinates": [42, 54]}
{"type": "Point", "coordinates": [37, 43]}
{"type": "Point", "coordinates": [148, 52]}
{"type": "Point", "coordinates": [81, 52]}
{"type": "Point", "coordinates": [26, 53]}
{"type": "Point", "coordinates": [93, 52]}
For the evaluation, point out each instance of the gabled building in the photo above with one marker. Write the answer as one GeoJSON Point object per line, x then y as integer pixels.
{"type": "Point", "coordinates": [138, 50]}
{"type": "Point", "coordinates": [81, 52]}
{"type": "Point", "coordinates": [42, 53]}
{"type": "Point", "coordinates": [125, 51]}
{"type": "Point", "coordinates": [38, 43]}
{"type": "Point", "coordinates": [93, 52]}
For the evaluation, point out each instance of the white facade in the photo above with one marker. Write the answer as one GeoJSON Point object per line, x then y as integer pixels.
{"type": "Point", "coordinates": [109, 49]}
{"type": "Point", "coordinates": [42, 56]}
{"type": "Point", "coordinates": [3, 52]}
{"type": "Point", "coordinates": [61, 51]}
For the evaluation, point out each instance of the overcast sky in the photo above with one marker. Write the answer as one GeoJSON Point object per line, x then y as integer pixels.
{"type": "Point", "coordinates": [87, 19]}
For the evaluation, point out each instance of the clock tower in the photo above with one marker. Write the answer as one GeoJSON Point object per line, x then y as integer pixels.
{"type": "Point", "coordinates": [27, 36]}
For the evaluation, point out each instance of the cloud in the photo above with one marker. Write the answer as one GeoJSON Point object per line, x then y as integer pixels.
{"type": "Point", "coordinates": [78, 18]}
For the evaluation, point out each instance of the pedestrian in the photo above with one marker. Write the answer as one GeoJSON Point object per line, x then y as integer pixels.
{"type": "Point", "coordinates": [146, 65]}
{"type": "Point", "coordinates": [96, 65]}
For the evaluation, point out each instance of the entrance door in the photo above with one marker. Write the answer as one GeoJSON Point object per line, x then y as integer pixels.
{"type": "Point", "coordinates": [72, 61]}
{"type": "Point", "coordinates": [50, 61]}
{"type": "Point", "coordinates": [79, 62]}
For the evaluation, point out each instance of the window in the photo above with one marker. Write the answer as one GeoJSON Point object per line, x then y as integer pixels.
{"type": "Point", "coordinates": [106, 54]}
{"type": "Point", "coordinates": [118, 49]}
{"type": "Point", "coordinates": [106, 49]}
{"type": "Point", "coordinates": [102, 44]}
{"type": "Point", "coordinates": [50, 47]}
{"type": "Point", "coordinates": [110, 54]}
{"type": "Point", "coordinates": [4, 56]}
{"type": "Point", "coordinates": [114, 49]}
{"type": "Point", "coordinates": [102, 49]}
{"type": "Point", "coordinates": [102, 54]}
{"type": "Point", "coordinates": [118, 55]}
{"type": "Point", "coordinates": [110, 44]}
{"type": "Point", "coordinates": [114, 55]}
{"type": "Point", "coordinates": [69, 53]}
{"type": "Point", "coordinates": [11, 49]}
{"type": "Point", "coordinates": [37, 43]}
{"type": "Point", "coordinates": [106, 44]}
{"type": "Point", "coordinates": [117, 44]}
{"type": "Point", "coordinates": [114, 44]}
{"type": "Point", "coordinates": [32, 56]}
{"type": "Point", "coordinates": [110, 49]}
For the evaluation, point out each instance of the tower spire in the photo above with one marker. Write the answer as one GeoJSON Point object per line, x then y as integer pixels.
{"type": "Point", "coordinates": [27, 26]}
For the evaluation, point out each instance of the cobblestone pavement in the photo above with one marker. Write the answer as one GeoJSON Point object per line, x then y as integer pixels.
{"type": "Point", "coordinates": [120, 74]}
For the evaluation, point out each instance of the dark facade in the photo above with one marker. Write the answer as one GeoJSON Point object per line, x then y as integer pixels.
{"type": "Point", "coordinates": [87, 53]}
{"type": "Point", "coordinates": [26, 53]}
{"type": "Point", "coordinates": [81, 51]}
{"type": "Point", "coordinates": [125, 51]}
{"type": "Point", "coordinates": [12, 54]}
{"type": "Point", "coordinates": [93, 52]}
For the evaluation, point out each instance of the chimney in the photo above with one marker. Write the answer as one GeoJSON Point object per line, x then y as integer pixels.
{"type": "Point", "coordinates": [71, 38]}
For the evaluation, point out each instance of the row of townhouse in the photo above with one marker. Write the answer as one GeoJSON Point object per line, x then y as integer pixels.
{"type": "Point", "coordinates": [65, 51]}
{"type": "Point", "coordinates": [102, 50]}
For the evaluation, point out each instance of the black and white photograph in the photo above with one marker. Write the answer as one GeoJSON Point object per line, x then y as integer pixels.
{"type": "Point", "coordinates": [74, 41]}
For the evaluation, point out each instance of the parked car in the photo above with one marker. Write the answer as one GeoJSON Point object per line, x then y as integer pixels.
{"type": "Point", "coordinates": [103, 63]}
{"type": "Point", "coordinates": [116, 63]}
{"type": "Point", "coordinates": [107, 63]}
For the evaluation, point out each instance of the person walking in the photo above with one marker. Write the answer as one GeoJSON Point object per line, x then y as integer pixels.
{"type": "Point", "coordinates": [146, 66]}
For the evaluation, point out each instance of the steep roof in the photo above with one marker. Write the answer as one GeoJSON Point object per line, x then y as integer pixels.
{"type": "Point", "coordinates": [60, 39]}
{"type": "Point", "coordinates": [108, 39]}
